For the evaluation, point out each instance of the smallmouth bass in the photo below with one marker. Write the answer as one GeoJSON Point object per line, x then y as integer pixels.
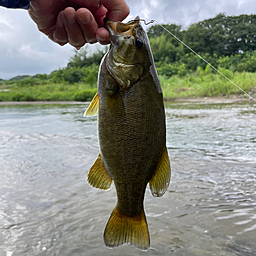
{"type": "Point", "coordinates": [132, 133]}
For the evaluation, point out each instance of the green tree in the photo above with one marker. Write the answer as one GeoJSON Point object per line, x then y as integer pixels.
{"type": "Point", "coordinates": [83, 58]}
{"type": "Point", "coordinates": [157, 31]}
{"type": "Point", "coordinates": [223, 35]}
{"type": "Point", "coordinates": [163, 49]}
{"type": "Point", "coordinates": [207, 36]}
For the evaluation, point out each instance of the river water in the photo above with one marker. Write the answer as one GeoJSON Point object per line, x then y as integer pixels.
{"type": "Point", "coordinates": [48, 208]}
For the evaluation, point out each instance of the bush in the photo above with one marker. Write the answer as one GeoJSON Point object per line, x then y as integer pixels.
{"type": "Point", "coordinates": [22, 97]}
{"type": "Point", "coordinates": [76, 75]}
{"type": "Point", "coordinates": [166, 69]}
{"type": "Point", "coordinates": [28, 82]}
{"type": "Point", "coordinates": [226, 73]}
{"type": "Point", "coordinates": [90, 75]}
{"type": "Point", "coordinates": [85, 95]}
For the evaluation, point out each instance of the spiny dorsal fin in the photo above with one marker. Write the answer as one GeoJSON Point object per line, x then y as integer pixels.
{"type": "Point", "coordinates": [161, 178]}
{"type": "Point", "coordinates": [93, 107]}
{"type": "Point", "coordinates": [98, 176]}
{"type": "Point", "coordinates": [122, 229]}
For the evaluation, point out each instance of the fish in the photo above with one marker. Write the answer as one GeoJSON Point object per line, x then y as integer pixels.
{"type": "Point", "coordinates": [131, 132]}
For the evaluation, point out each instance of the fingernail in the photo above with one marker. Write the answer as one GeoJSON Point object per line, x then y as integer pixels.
{"type": "Point", "coordinates": [92, 41]}
{"type": "Point", "coordinates": [57, 40]}
{"type": "Point", "coordinates": [102, 38]}
{"type": "Point", "coordinates": [85, 18]}
{"type": "Point", "coordinates": [54, 37]}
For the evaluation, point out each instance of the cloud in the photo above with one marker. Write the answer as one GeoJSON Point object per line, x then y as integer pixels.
{"type": "Point", "coordinates": [24, 50]}
{"type": "Point", "coordinates": [186, 12]}
{"type": "Point", "coordinates": [31, 53]}
{"type": "Point", "coordinates": [5, 30]}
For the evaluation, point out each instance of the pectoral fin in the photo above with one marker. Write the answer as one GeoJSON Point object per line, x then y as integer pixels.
{"type": "Point", "coordinates": [98, 176]}
{"type": "Point", "coordinates": [161, 178]}
{"type": "Point", "coordinates": [93, 107]}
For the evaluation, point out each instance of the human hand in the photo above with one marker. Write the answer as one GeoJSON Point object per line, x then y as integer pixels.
{"type": "Point", "coordinates": [76, 22]}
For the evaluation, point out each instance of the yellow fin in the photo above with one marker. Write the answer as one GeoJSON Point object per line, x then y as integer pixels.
{"type": "Point", "coordinates": [161, 178]}
{"type": "Point", "coordinates": [93, 107]}
{"type": "Point", "coordinates": [98, 176]}
{"type": "Point", "coordinates": [122, 229]}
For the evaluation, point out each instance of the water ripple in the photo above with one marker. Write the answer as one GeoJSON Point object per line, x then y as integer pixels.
{"type": "Point", "coordinates": [47, 207]}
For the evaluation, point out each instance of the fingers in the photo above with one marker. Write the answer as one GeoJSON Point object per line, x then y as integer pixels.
{"type": "Point", "coordinates": [99, 14]}
{"type": "Point", "coordinates": [60, 35]}
{"type": "Point", "coordinates": [115, 10]}
{"type": "Point", "coordinates": [102, 36]}
{"type": "Point", "coordinates": [87, 24]}
{"type": "Point", "coordinates": [92, 25]}
{"type": "Point", "coordinates": [118, 10]}
{"type": "Point", "coordinates": [74, 32]}
{"type": "Point", "coordinates": [79, 27]}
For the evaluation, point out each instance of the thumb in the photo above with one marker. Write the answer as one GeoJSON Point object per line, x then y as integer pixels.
{"type": "Point", "coordinates": [117, 9]}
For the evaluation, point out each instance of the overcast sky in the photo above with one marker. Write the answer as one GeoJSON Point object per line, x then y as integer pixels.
{"type": "Point", "coordinates": [26, 51]}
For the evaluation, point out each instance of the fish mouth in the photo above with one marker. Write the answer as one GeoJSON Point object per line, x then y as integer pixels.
{"type": "Point", "coordinates": [119, 28]}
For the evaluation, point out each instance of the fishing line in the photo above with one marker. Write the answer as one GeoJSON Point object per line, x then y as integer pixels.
{"type": "Point", "coordinates": [152, 21]}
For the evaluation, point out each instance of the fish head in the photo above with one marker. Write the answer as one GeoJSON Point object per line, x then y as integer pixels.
{"type": "Point", "coordinates": [128, 57]}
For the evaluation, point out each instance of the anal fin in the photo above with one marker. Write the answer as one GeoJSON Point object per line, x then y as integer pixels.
{"type": "Point", "coordinates": [98, 176]}
{"type": "Point", "coordinates": [93, 107]}
{"type": "Point", "coordinates": [161, 178]}
{"type": "Point", "coordinates": [122, 229]}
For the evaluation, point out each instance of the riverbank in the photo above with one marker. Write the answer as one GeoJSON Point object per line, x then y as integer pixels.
{"type": "Point", "coordinates": [212, 99]}
{"type": "Point", "coordinates": [202, 100]}
{"type": "Point", "coordinates": [8, 103]}
{"type": "Point", "coordinates": [192, 87]}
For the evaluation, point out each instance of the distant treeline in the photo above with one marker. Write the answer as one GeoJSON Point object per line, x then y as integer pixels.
{"type": "Point", "coordinates": [227, 42]}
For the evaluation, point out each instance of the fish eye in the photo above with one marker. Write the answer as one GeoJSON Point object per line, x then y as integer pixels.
{"type": "Point", "coordinates": [139, 43]}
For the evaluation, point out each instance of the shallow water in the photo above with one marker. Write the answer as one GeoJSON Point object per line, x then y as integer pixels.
{"type": "Point", "coordinates": [47, 207]}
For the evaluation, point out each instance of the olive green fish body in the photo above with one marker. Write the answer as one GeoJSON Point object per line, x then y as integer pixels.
{"type": "Point", "coordinates": [132, 138]}
{"type": "Point", "coordinates": [132, 133]}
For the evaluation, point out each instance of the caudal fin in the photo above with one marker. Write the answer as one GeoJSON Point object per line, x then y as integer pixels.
{"type": "Point", "coordinates": [122, 229]}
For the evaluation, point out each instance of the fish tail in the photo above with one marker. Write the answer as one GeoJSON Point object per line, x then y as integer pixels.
{"type": "Point", "coordinates": [122, 229]}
